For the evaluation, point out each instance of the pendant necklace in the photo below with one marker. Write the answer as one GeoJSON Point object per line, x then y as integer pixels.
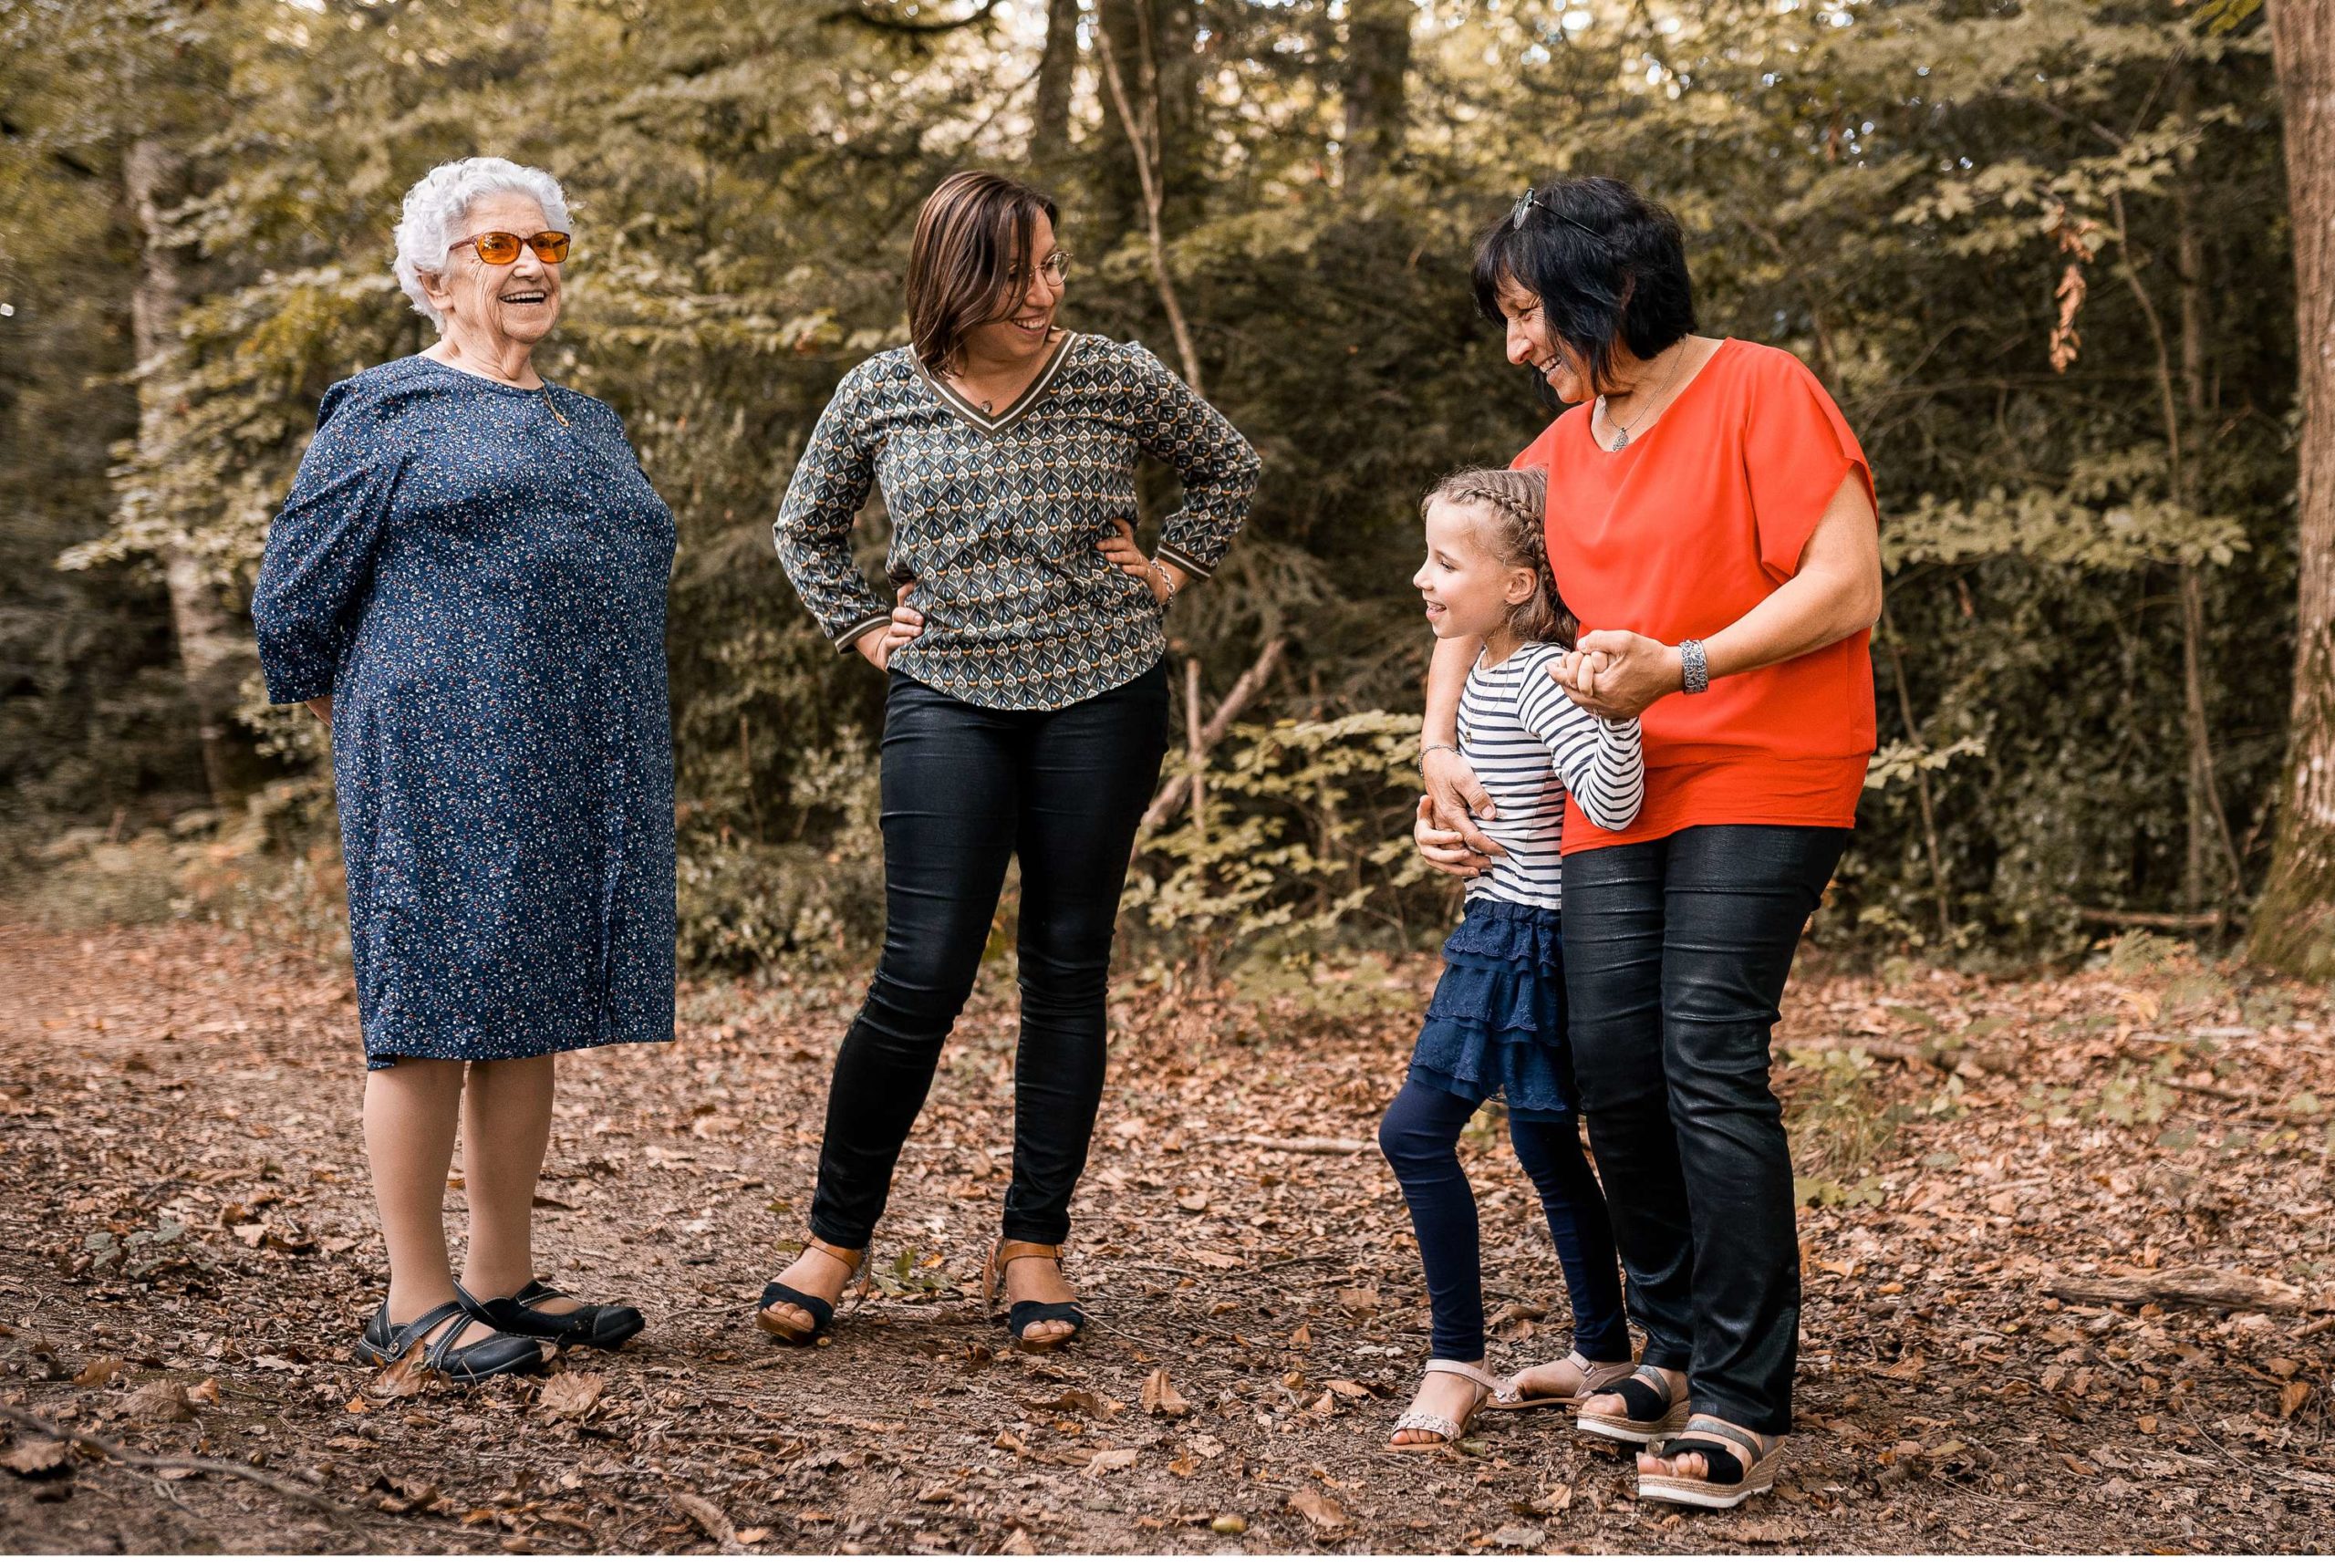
{"type": "Point", "coordinates": [1623, 438]}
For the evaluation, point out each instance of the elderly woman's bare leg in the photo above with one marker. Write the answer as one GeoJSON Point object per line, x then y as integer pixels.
{"type": "Point", "coordinates": [411, 1112]}
{"type": "Point", "coordinates": [506, 1127]}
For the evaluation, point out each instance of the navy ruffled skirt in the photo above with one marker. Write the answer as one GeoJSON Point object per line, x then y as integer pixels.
{"type": "Point", "coordinates": [1496, 1027]}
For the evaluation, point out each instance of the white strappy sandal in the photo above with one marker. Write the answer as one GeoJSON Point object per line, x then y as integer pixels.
{"type": "Point", "coordinates": [1590, 1378]}
{"type": "Point", "coordinates": [1446, 1430]}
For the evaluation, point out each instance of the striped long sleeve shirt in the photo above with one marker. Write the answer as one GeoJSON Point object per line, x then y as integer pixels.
{"type": "Point", "coordinates": [1532, 747]}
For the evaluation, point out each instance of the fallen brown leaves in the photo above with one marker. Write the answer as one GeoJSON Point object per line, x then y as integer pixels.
{"type": "Point", "coordinates": [1978, 1156]}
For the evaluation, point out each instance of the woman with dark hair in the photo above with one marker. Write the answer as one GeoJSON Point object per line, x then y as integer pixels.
{"type": "Point", "coordinates": [1712, 518]}
{"type": "Point", "coordinates": [1027, 709]}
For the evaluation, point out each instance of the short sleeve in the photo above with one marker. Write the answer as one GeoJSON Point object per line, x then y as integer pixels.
{"type": "Point", "coordinates": [1797, 448]}
{"type": "Point", "coordinates": [318, 563]}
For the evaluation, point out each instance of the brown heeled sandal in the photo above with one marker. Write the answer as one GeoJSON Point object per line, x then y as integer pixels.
{"type": "Point", "coordinates": [821, 1312]}
{"type": "Point", "coordinates": [1020, 1315]}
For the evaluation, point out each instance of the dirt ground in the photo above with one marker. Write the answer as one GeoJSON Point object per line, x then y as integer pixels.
{"type": "Point", "coordinates": [189, 1252]}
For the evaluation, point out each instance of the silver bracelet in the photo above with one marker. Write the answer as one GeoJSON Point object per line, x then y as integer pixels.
{"type": "Point", "coordinates": [1693, 669]}
{"type": "Point", "coordinates": [1166, 582]}
{"type": "Point", "coordinates": [1438, 746]}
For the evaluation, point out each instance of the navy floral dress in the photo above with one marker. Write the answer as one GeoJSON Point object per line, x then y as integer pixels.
{"type": "Point", "coordinates": [476, 574]}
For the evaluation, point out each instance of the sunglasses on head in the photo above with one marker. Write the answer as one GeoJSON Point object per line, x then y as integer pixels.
{"type": "Point", "coordinates": [1529, 200]}
{"type": "Point", "coordinates": [496, 248]}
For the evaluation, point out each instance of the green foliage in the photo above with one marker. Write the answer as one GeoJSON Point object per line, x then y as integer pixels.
{"type": "Point", "coordinates": [1922, 198]}
{"type": "Point", "coordinates": [1305, 836]}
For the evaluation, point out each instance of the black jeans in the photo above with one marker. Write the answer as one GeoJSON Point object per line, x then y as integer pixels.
{"type": "Point", "coordinates": [1675, 957]}
{"type": "Point", "coordinates": [964, 789]}
{"type": "Point", "coordinates": [1420, 1136]}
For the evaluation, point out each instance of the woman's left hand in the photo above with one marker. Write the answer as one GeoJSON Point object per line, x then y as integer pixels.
{"type": "Point", "coordinates": [1618, 674]}
{"type": "Point", "coordinates": [1121, 550]}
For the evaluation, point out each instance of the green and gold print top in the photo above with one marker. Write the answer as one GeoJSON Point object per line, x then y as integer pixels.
{"type": "Point", "coordinates": [996, 518]}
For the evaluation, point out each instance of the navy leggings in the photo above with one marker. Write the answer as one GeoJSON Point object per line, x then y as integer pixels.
{"type": "Point", "coordinates": [1420, 1135]}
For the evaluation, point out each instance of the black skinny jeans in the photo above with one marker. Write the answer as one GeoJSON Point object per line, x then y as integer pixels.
{"type": "Point", "coordinates": [964, 789]}
{"type": "Point", "coordinates": [1675, 957]}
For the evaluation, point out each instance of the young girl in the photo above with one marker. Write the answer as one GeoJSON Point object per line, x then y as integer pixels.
{"type": "Point", "coordinates": [1497, 1023]}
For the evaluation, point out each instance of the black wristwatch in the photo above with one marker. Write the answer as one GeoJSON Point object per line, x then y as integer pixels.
{"type": "Point", "coordinates": [1695, 670]}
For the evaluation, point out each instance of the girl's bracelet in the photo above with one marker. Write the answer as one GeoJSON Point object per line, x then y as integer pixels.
{"type": "Point", "coordinates": [1167, 582]}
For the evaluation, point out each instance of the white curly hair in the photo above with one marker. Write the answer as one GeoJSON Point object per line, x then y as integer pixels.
{"type": "Point", "coordinates": [433, 215]}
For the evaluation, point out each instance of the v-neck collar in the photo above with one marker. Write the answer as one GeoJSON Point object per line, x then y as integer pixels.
{"type": "Point", "coordinates": [1637, 442]}
{"type": "Point", "coordinates": [965, 409]}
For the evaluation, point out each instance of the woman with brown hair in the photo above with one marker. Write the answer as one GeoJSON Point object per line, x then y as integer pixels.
{"type": "Point", "coordinates": [1027, 708]}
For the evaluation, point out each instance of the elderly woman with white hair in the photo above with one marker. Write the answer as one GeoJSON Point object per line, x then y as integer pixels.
{"type": "Point", "coordinates": [467, 584]}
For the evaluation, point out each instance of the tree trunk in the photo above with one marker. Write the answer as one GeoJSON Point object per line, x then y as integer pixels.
{"type": "Point", "coordinates": [1160, 67]}
{"type": "Point", "coordinates": [214, 650]}
{"type": "Point", "coordinates": [1378, 59]}
{"type": "Point", "coordinates": [1057, 69]}
{"type": "Point", "coordinates": [2294, 929]}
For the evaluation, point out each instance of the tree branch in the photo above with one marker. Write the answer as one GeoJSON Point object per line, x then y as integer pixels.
{"type": "Point", "coordinates": [885, 22]}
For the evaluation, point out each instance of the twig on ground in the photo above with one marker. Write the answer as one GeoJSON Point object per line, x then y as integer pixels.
{"type": "Point", "coordinates": [132, 1457]}
{"type": "Point", "coordinates": [1299, 1145]}
{"type": "Point", "coordinates": [2196, 1285]}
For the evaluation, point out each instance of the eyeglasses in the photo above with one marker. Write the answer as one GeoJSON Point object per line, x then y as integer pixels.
{"type": "Point", "coordinates": [1055, 269]}
{"type": "Point", "coordinates": [1529, 200]}
{"type": "Point", "coordinates": [496, 248]}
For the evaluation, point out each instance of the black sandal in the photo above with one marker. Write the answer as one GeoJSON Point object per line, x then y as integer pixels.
{"type": "Point", "coordinates": [822, 1311]}
{"type": "Point", "coordinates": [601, 1327]}
{"type": "Point", "coordinates": [1648, 1409]}
{"type": "Point", "coordinates": [1020, 1315]}
{"type": "Point", "coordinates": [384, 1342]}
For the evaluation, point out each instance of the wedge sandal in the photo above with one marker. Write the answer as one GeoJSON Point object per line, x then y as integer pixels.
{"type": "Point", "coordinates": [1020, 1316]}
{"type": "Point", "coordinates": [600, 1328]}
{"type": "Point", "coordinates": [1648, 1409]}
{"type": "Point", "coordinates": [498, 1355]}
{"type": "Point", "coordinates": [1443, 1428]}
{"type": "Point", "coordinates": [1589, 1377]}
{"type": "Point", "coordinates": [821, 1311]}
{"type": "Point", "coordinates": [1737, 1464]}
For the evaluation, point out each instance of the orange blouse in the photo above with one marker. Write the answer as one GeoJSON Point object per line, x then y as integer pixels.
{"type": "Point", "coordinates": [1678, 534]}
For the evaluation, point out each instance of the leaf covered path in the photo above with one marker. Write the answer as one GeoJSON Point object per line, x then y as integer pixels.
{"type": "Point", "coordinates": [189, 1252]}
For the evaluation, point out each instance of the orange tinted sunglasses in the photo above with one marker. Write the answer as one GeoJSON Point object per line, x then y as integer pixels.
{"type": "Point", "coordinates": [496, 248]}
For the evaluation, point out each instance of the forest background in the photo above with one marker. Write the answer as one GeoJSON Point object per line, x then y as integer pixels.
{"type": "Point", "coordinates": [2041, 255]}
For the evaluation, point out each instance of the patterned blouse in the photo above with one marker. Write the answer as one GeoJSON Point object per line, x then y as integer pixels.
{"type": "Point", "coordinates": [996, 518]}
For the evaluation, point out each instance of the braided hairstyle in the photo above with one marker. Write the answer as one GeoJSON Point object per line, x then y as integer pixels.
{"type": "Point", "coordinates": [1510, 504]}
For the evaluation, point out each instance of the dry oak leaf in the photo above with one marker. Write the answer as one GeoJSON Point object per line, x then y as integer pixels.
{"type": "Point", "coordinates": [1359, 1300]}
{"type": "Point", "coordinates": [1019, 1544]}
{"type": "Point", "coordinates": [1907, 1370]}
{"type": "Point", "coordinates": [1110, 1459]}
{"type": "Point", "coordinates": [407, 1375]}
{"type": "Point", "coordinates": [35, 1458]}
{"type": "Point", "coordinates": [1347, 1388]}
{"type": "Point", "coordinates": [1160, 1399]}
{"type": "Point", "coordinates": [570, 1395]}
{"type": "Point", "coordinates": [1320, 1513]}
{"type": "Point", "coordinates": [2292, 1398]}
{"type": "Point", "coordinates": [162, 1400]}
{"type": "Point", "coordinates": [98, 1371]}
{"type": "Point", "coordinates": [708, 1517]}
